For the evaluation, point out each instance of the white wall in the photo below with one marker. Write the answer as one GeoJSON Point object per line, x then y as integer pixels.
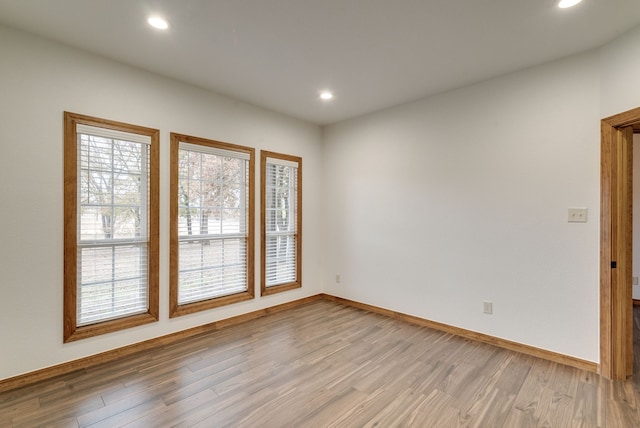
{"type": "Point", "coordinates": [38, 81]}
{"type": "Point", "coordinates": [435, 206]}
{"type": "Point", "coordinates": [620, 74]}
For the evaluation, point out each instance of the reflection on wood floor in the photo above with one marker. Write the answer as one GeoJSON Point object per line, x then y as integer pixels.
{"type": "Point", "coordinates": [327, 365]}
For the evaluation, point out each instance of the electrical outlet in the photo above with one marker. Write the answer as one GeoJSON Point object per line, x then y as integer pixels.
{"type": "Point", "coordinates": [487, 307]}
{"type": "Point", "coordinates": [634, 280]}
{"type": "Point", "coordinates": [337, 278]}
{"type": "Point", "coordinates": [577, 215]}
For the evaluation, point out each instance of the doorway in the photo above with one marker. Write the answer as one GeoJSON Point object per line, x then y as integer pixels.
{"type": "Point", "coordinates": [616, 185]}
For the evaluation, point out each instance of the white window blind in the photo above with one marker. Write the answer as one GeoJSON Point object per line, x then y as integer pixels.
{"type": "Point", "coordinates": [112, 235]}
{"type": "Point", "coordinates": [212, 222]}
{"type": "Point", "coordinates": [281, 228]}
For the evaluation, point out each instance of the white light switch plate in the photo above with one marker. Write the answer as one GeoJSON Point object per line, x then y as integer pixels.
{"type": "Point", "coordinates": [577, 215]}
{"type": "Point", "coordinates": [487, 307]}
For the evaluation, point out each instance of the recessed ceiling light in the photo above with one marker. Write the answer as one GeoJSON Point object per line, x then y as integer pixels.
{"type": "Point", "coordinates": [157, 22]}
{"type": "Point", "coordinates": [326, 95]}
{"type": "Point", "coordinates": [568, 3]}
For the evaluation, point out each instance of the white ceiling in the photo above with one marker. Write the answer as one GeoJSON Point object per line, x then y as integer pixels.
{"type": "Point", "coordinates": [372, 53]}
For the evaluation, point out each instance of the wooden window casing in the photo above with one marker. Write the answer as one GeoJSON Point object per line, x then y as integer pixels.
{"type": "Point", "coordinates": [213, 288]}
{"type": "Point", "coordinates": [271, 281]}
{"type": "Point", "coordinates": [74, 244]}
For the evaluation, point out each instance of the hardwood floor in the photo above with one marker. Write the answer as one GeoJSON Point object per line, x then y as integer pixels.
{"type": "Point", "coordinates": [327, 365]}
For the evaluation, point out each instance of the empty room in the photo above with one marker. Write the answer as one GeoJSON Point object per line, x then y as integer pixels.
{"type": "Point", "coordinates": [341, 213]}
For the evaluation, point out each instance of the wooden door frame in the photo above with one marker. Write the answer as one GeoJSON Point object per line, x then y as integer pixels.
{"type": "Point", "coordinates": [616, 350]}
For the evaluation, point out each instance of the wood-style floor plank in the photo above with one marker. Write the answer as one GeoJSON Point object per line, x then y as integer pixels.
{"type": "Point", "coordinates": [328, 365]}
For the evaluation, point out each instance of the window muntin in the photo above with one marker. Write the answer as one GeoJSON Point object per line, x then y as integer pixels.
{"type": "Point", "coordinates": [111, 246]}
{"type": "Point", "coordinates": [281, 222]}
{"type": "Point", "coordinates": [211, 224]}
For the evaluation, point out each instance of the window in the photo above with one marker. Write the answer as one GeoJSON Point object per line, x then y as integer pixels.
{"type": "Point", "coordinates": [111, 226]}
{"type": "Point", "coordinates": [281, 222]}
{"type": "Point", "coordinates": [212, 244]}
